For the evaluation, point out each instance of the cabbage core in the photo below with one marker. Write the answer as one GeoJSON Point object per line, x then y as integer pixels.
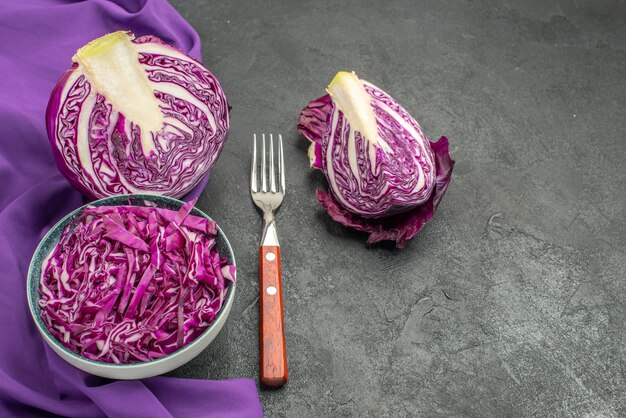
{"type": "Point", "coordinates": [111, 65]}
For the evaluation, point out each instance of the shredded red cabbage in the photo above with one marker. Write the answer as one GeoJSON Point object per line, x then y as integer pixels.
{"type": "Point", "coordinates": [128, 284]}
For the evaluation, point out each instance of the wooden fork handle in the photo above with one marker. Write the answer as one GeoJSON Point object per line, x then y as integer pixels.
{"type": "Point", "coordinates": [272, 338]}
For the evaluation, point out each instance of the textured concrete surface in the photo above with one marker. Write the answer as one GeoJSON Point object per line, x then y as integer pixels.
{"type": "Point", "coordinates": [512, 301]}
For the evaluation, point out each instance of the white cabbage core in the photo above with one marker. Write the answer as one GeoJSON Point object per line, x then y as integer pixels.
{"type": "Point", "coordinates": [111, 65]}
{"type": "Point", "coordinates": [355, 103]}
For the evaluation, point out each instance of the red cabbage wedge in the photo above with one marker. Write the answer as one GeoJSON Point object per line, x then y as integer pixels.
{"type": "Point", "coordinates": [385, 177]}
{"type": "Point", "coordinates": [128, 284]}
{"type": "Point", "coordinates": [136, 116]}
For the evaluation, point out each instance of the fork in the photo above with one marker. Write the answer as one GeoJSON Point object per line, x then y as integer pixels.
{"type": "Point", "coordinates": [268, 198]}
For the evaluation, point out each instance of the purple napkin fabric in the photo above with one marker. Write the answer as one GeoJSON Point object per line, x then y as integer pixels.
{"type": "Point", "coordinates": [37, 41]}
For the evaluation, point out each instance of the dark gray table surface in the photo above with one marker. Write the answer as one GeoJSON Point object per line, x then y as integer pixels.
{"type": "Point", "coordinates": [512, 301]}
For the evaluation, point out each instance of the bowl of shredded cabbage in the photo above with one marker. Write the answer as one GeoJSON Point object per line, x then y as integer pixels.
{"type": "Point", "coordinates": [132, 286]}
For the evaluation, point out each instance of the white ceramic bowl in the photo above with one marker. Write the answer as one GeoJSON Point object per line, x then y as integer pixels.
{"type": "Point", "coordinates": [135, 370]}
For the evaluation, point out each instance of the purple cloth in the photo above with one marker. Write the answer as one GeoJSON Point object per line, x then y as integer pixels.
{"type": "Point", "coordinates": [37, 40]}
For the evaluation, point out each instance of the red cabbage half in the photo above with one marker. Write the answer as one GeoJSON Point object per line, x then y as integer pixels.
{"type": "Point", "coordinates": [136, 116]}
{"type": "Point", "coordinates": [128, 284]}
{"type": "Point", "coordinates": [385, 177]}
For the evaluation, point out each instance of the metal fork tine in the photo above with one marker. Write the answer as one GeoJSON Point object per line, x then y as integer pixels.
{"type": "Point", "coordinates": [281, 163]}
{"type": "Point", "coordinates": [272, 172]}
{"type": "Point", "coordinates": [267, 178]}
{"type": "Point", "coordinates": [253, 180]}
{"type": "Point", "coordinates": [263, 169]}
